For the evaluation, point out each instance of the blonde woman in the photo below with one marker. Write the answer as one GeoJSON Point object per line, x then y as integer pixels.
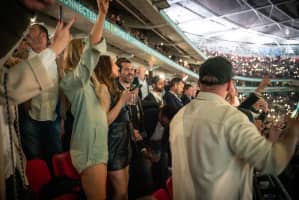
{"type": "Point", "coordinates": [88, 149]}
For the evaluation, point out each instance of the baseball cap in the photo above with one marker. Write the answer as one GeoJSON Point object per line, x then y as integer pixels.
{"type": "Point", "coordinates": [43, 28]}
{"type": "Point", "coordinates": [216, 70]}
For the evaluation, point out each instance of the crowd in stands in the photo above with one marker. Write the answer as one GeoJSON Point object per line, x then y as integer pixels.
{"type": "Point", "coordinates": [277, 107]}
{"type": "Point", "coordinates": [159, 46]}
{"type": "Point", "coordinates": [114, 123]}
{"type": "Point", "coordinates": [248, 66]}
{"type": "Point", "coordinates": [253, 66]}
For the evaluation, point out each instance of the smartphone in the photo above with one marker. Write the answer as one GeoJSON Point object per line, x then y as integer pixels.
{"type": "Point", "coordinates": [295, 113]}
{"type": "Point", "coordinates": [60, 16]}
{"type": "Point", "coordinates": [134, 86]}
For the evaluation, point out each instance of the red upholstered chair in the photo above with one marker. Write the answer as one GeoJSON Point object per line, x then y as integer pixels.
{"type": "Point", "coordinates": [38, 174]}
{"type": "Point", "coordinates": [63, 166]}
{"type": "Point", "coordinates": [169, 187]}
{"type": "Point", "coordinates": [161, 194]}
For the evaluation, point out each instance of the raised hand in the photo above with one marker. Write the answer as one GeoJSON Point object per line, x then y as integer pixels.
{"type": "Point", "coordinates": [62, 36]}
{"type": "Point", "coordinates": [124, 96]}
{"type": "Point", "coordinates": [37, 4]}
{"type": "Point", "coordinates": [293, 127]}
{"type": "Point", "coordinates": [103, 6]}
{"type": "Point", "coordinates": [96, 32]}
{"type": "Point", "coordinates": [263, 84]}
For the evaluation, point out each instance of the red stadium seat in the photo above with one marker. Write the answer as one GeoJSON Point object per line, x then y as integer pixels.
{"type": "Point", "coordinates": [169, 187]}
{"type": "Point", "coordinates": [38, 174]}
{"type": "Point", "coordinates": [161, 194]}
{"type": "Point", "coordinates": [63, 166]}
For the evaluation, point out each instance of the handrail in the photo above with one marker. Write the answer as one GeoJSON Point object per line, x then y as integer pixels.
{"type": "Point", "coordinates": [115, 30]}
{"type": "Point", "coordinates": [243, 78]}
{"type": "Point", "coordinates": [267, 89]}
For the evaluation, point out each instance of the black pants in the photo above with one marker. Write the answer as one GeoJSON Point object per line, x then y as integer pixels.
{"type": "Point", "coordinates": [141, 180]}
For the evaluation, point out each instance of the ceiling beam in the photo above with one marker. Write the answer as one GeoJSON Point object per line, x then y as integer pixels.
{"type": "Point", "coordinates": [274, 23]}
{"type": "Point", "coordinates": [255, 8]}
{"type": "Point", "coordinates": [239, 12]}
{"type": "Point", "coordinates": [175, 1]}
{"type": "Point", "coordinates": [267, 17]}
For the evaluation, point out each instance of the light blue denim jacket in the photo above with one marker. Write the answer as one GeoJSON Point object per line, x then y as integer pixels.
{"type": "Point", "coordinates": [90, 128]}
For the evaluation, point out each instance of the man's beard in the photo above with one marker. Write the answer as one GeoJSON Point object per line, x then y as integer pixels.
{"type": "Point", "coordinates": [159, 89]}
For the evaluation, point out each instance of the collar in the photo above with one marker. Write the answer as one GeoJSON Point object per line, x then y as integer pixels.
{"type": "Point", "coordinates": [157, 96]}
{"type": "Point", "coordinates": [142, 81]}
{"type": "Point", "coordinates": [171, 92]}
{"type": "Point", "coordinates": [211, 97]}
{"type": "Point", "coordinates": [122, 85]}
{"type": "Point", "coordinates": [32, 53]}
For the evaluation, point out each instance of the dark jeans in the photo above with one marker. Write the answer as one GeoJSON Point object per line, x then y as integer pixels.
{"type": "Point", "coordinates": [40, 139]}
{"type": "Point", "coordinates": [160, 171]}
{"type": "Point", "coordinates": [141, 181]}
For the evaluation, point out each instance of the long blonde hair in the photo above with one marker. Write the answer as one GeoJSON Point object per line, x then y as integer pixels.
{"type": "Point", "coordinates": [72, 54]}
{"type": "Point", "coordinates": [70, 59]}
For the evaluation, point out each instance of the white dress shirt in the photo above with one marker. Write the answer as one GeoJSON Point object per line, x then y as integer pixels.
{"type": "Point", "coordinates": [214, 150]}
{"type": "Point", "coordinates": [144, 89]}
{"type": "Point", "coordinates": [158, 97]}
{"type": "Point", "coordinates": [158, 133]}
{"type": "Point", "coordinates": [43, 106]}
{"type": "Point", "coordinates": [42, 83]}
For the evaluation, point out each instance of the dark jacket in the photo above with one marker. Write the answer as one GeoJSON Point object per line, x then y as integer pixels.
{"type": "Point", "coordinates": [172, 100]}
{"type": "Point", "coordinates": [151, 111]}
{"type": "Point", "coordinates": [186, 99]}
{"type": "Point", "coordinates": [136, 116]}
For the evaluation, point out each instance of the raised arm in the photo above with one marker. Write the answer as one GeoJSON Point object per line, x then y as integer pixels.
{"type": "Point", "coordinates": [247, 143]}
{"type": "Point", "coordinates": [254, 97]}
{"type": "Point", "coordinates": [96, 32]}
{"type": "Point", "coordinates": [30, 77]}
{"type": "Point", "coordinates": [94, 47]}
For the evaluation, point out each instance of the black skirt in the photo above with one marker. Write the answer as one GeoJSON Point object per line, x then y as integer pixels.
{"type": "Point", "coordinates": [119, 145]}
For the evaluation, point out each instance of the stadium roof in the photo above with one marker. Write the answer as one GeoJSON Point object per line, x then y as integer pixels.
{"type": "Point", "coordinates": [259, 22]}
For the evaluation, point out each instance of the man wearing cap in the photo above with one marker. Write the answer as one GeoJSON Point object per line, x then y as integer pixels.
{"type": "Point", "coordinates": [215, 147]}
{"type": "Point", "coordinates": [40, 130]}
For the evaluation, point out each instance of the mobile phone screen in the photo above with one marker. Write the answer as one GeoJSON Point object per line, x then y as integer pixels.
{"type": "Point", "coordinates": [135, 86]}
{"type": "Point", "coordinates": [295, 113]}
{"type": "Point", "coordinates": [60, 17]}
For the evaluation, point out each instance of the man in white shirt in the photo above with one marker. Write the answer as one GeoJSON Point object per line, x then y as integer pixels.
{"type": "Point", "coordinates": [25, 80]}
{"type": "Point", "coordinates": [140, 79]}
{"type": "Point", "coordinates": [215, 147]}
{"type": "Point", "coordinates": [40, 124]}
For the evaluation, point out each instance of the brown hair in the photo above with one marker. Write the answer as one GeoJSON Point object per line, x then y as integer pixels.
{"type": "Point", "coordinates": [104, 74]}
